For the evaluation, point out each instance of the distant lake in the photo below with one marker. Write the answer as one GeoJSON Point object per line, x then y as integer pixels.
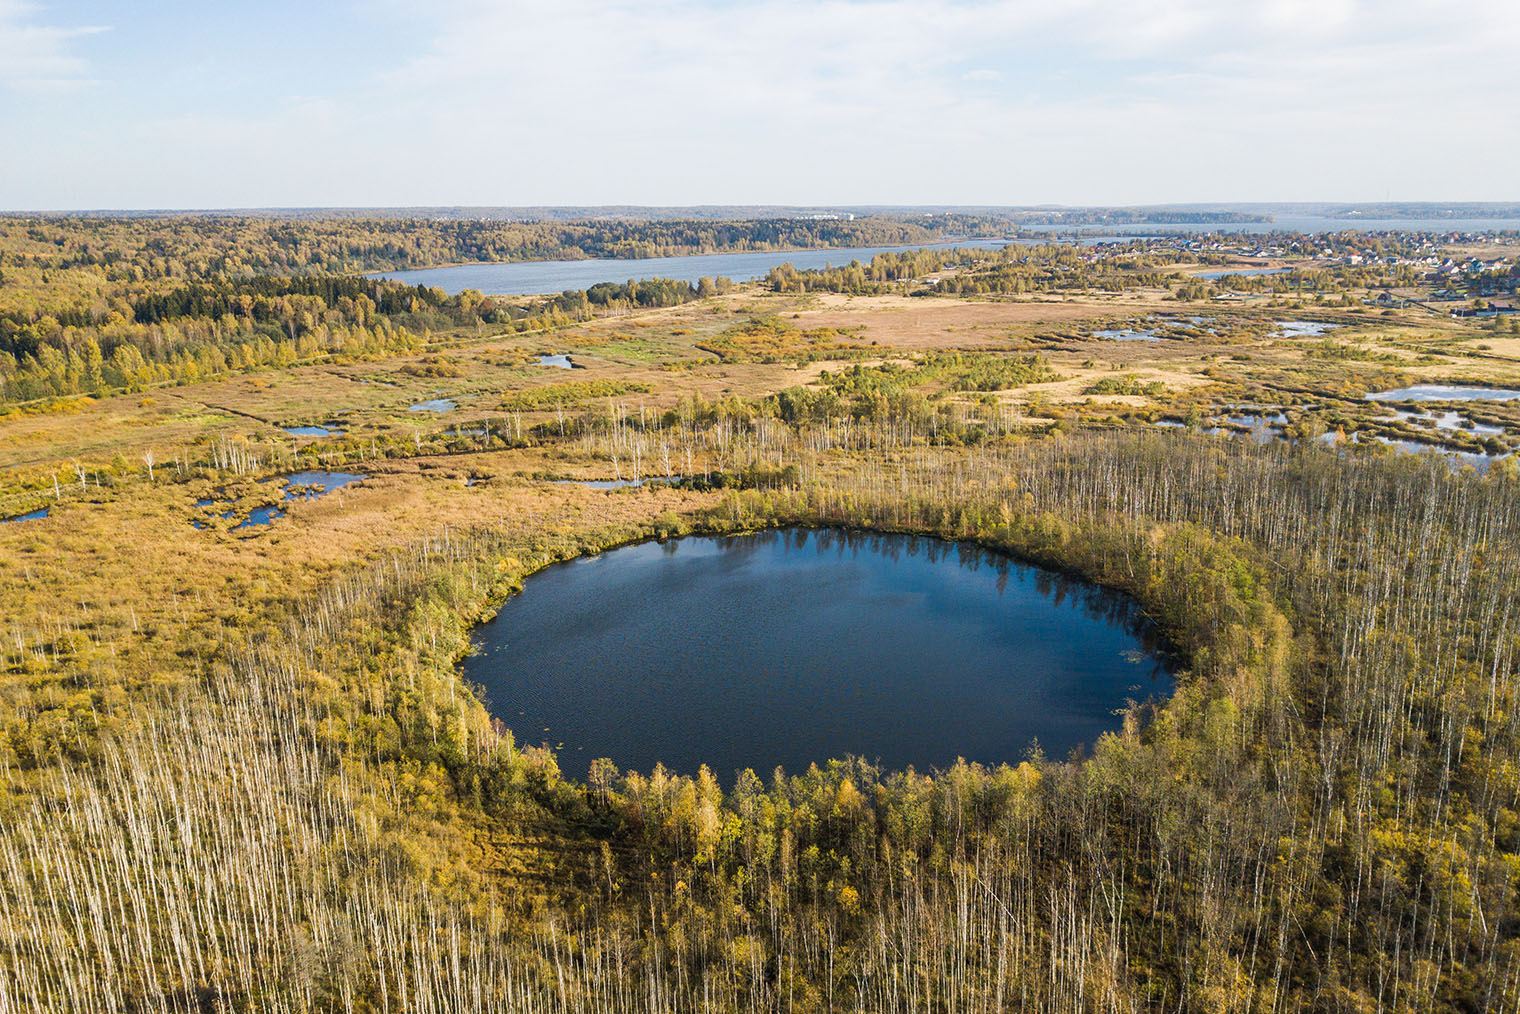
{"type": "Point", "coordinates": [1446, 392]}
{"type": "Point", "coordinates": [1298, 223]}
{"type": "Point", "coordinates": [537, 278]}
{"type": "Point", "coordinates": [793, 647]}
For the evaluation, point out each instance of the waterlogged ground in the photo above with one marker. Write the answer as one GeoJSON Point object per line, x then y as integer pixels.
{"type": "Point", "coordinates": [311, 485]}
{"type": "Point", "coordinates": [788, 648]}
{"type": "Point", "coordinates": [616, 483]}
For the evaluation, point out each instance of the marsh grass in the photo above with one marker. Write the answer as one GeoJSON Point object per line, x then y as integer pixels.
{"type": "Point", "coordinates": [328, 819]}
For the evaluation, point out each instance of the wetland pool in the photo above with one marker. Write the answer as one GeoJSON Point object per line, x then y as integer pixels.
{"type": "Point", "coordinates": [1446, 392]}
{"type": "Point", "coordinates": [796, 646]}
{"type": "Point", "coordinates": [434, 405]}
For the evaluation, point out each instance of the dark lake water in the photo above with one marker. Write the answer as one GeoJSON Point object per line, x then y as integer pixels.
{"type": "Point", "coordinates": [536, 278]}
{"type": "Point", "coordinates": [785, 648]}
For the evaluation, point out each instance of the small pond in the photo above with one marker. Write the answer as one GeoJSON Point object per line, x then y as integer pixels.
{"type": "Point", "coordinates": [257, 517]}
{"type": "Point", "coordinates": [1303, 328]}
{"type": "Point", "coordinates": [295, 486]}
{"type": "Point", "coordinates": [311, 485]}
{"type": "Point", "coordinates": [786, 648]}
{"type": "Point", "coordinates": [1252, 416]}
{"type": "Point", "coordinates": [1265, 429]}
{"type": "Point", "coordinates": [1127, 334]}
{"type": "Point", "coordinates": [1454, 457]}
{"type": "Point", "coordinates": [434, 405]}
{"type": "Point", "coordinates": [32, 516]}
{"type": "Point", "coordinates": [561, 361]}
{"type": "Point", "coordinates": [1446, 392]}
{"type": "Point", "coordinates": [312, 431]}
{"type": "Point", "coordinates": [1453, 422]}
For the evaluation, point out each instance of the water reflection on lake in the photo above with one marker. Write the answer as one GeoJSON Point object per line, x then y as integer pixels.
{"type": "Point", "coordinates": [786, 648]}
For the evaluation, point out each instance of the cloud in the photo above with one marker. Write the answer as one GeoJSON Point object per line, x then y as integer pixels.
{"type": "Point", "coordinates": [803, 101]}
{"type": "Point", "coordinates": [868, 85]}
{"type": "Point", "coordinates": [39, 56]}
{"type": "Point", "coordinates": [585, 58]}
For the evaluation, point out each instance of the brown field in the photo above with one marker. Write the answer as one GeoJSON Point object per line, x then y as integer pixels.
{"type": "Point", "coordinates": [660, 350]}
{"type": "Point", "coordinates": [119, 558]}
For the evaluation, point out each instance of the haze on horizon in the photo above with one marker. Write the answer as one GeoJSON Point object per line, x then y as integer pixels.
{"type": "Point", "coordinates": [385, 103]}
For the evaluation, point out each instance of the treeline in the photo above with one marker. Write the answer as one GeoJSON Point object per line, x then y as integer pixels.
{"type": "Point", "coordinates": [201, 246]}
{"type": "Point", "coordinates": [1011, 270]}
{"type": "Point", "coordinates": [82, 366]}
{"type": "Point", "coordinates": [1020, 269]}
{"type": "Point", "coordinates": [1329, 278]}
{"type": "Point", "coordinates": [1133, 216]}
{"type": "Point", "coordinates": [268, 298]}
{"type": "Point", "coordinates": [643, 293]}
{"type": "Point", "coordinates": [205, 329]}
{"type": "Point", "coordinates": [890, 392]}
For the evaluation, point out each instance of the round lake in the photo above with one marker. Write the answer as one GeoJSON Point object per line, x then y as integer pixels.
{"type": "Point", "coordinates": [790, 647]}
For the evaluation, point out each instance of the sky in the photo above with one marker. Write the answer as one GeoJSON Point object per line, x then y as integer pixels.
{"type": "Point", "coordinates": [385, 103]}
